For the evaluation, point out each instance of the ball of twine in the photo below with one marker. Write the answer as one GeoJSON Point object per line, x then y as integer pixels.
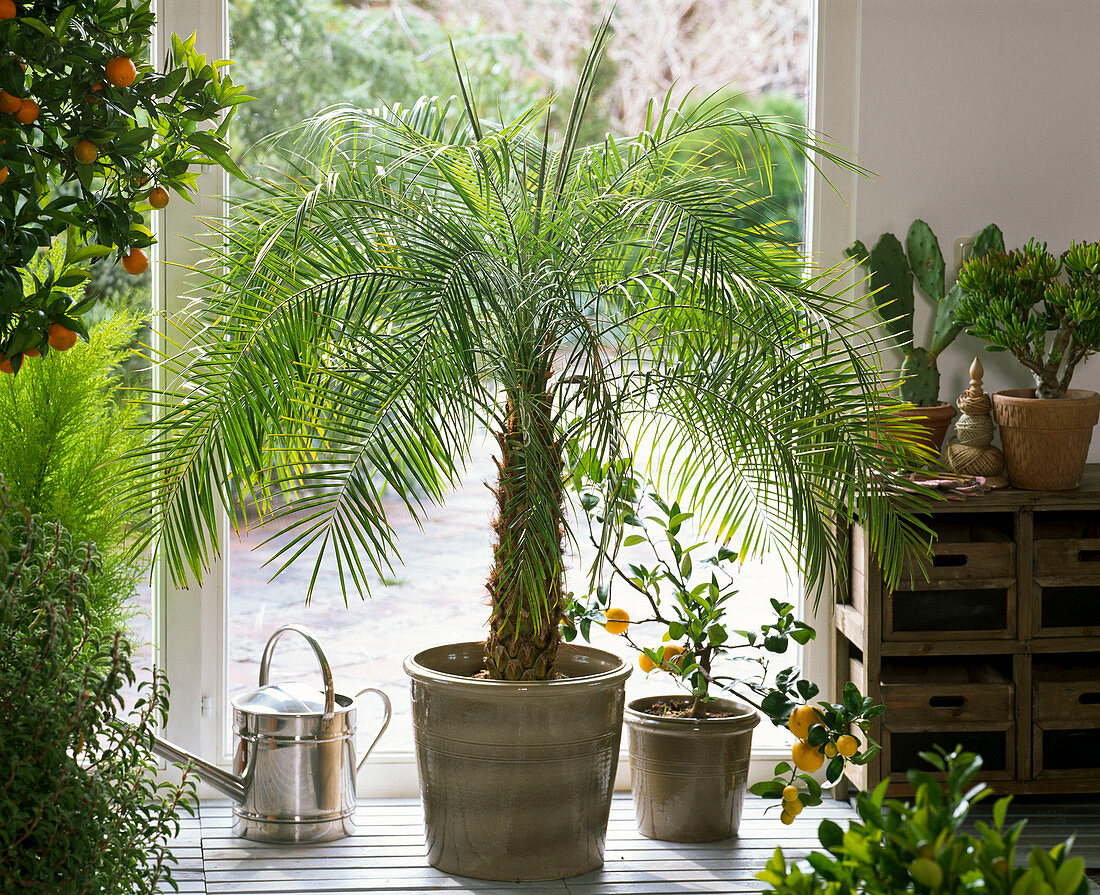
{"type": "Point", "coordinates": [974, 430]}
{"type": "Point", "coordinates": [974, 404]}
{"type": "Point", "coordinates": [968, 459]}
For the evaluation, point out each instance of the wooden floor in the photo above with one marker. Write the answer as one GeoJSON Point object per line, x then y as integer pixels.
{"type": "Point", "coordinates": [387, 853]}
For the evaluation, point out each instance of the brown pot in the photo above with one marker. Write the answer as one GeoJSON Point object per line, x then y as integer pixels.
{"type": "Point", "coordinates": [516, 778]}
{"type": "Point", "coordinates": [689, 775]}
{"type": "Point", "coordinates": [1045, 440]}
{"type": "Point", "coordinates": [932, 422]}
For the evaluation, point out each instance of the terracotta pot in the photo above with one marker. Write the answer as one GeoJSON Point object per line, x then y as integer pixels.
{"type": "Point", "coordinates": [688, 775]}
{"type": "Point", "coordinates": [933, 422]}
{"type": "Point", "coordinates": [1045, 441]}
{"type": "Point", "coordinates": [516, 778]}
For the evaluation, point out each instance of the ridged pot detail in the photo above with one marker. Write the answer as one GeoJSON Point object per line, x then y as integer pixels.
{"type": "Point", "coordinates": [933, 422]}
{"type": "Point", "coordinates": [516, 778]}
{"type": "Point", "coordinates": [1045, 441]}
{"type": "Point", "coordinates": [689, 775]}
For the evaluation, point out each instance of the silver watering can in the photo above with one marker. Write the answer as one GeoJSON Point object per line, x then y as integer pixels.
{"type": "Point", "coordinates": [294, 765]}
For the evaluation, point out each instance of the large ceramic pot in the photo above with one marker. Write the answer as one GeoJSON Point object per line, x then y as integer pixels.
{"type": "Point", "coordinates": [1045, 441]}
{"type": "Point", "coordinates": [516, 778]}
{"type": "Point", "coordinates": [931, 421]}
{"type": "Point", "coordinates": [688, 775]}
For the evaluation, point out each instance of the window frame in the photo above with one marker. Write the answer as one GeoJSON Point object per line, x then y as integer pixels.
{"type": "Point", "coordinates": [190, 625]}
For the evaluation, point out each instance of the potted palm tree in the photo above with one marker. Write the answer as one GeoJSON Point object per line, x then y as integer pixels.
{"type": "Point", "coordinates": [421, 272]}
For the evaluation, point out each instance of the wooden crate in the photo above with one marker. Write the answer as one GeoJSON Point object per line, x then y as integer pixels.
{"type": "Point", "coordinates": [1066, 709]}
{"type": "Point", "coordinates": [947, 703]}
{"type": "Point", "coordinates": [1067, 574]}
{"type": "Point", "coordinates": [963, 610]}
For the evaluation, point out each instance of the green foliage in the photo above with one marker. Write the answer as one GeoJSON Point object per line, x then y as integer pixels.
{"type": "Point", "coordinates": [79, 812]}
{"type": "Point", "coordinates": [1014, 300]}
{"type": "Point", "coordinates": [148, 133]}
{"type": "Point", "coordinates": [301, 58]}
{"type": "Point", "coordinates": [893, 270]}
{"type": "Point", "coordinates": [423, 272]}
{"type": "Point", "coordinates": [920, 847]}
{"type": "Point", "coordinates": [689, 589]}
{"type": "Point", "coordinates": [63, 433]}
{"type": "Point", "coordinates": [775, 175]}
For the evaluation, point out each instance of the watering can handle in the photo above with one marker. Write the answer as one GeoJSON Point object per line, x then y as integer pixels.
{"type": "Point", "coordinates": [326, 669]}
{"type": "Point", "coordinates": [385, 722]}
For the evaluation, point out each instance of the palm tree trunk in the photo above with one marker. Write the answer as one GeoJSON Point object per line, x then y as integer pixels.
{"type": "Point", "coordinates": [526, 582]}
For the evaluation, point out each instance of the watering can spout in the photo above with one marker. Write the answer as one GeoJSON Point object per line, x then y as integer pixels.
{"type": "Point", "coordinates": [224, 782]}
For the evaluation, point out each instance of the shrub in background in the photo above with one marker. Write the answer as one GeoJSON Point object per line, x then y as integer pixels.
{"type": "Point", "coordinates": [63, 434]}
{"type": "Point", "coordinates": [79, 812]}
{"type": "Point", "coordinates": [920, 846]}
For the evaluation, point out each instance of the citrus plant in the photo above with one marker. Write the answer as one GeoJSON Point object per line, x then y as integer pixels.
{"type": "Point", "coordinates": [689, 590]}
{"type": "Point", "coordinates": [91, 138]}
{"type": "Point", "coordinates": [921, 846]}
{"type": "Point", "coordinates": [426, 271]}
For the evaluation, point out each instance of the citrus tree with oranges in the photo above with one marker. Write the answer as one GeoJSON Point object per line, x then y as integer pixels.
{"type": "Point", "coordinates": [687, 591]}
{"type": "Point", "coordinates": [92, 137]}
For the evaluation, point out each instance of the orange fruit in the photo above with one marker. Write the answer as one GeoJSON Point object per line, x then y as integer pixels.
{"type": "Point", "coordinates": [135, 261]}
{"type": "Point", "coordinates": [830, 750]}
{"type": "Point", "coordinates": [786, 817]}
{"type": "Point", "coordinates": [617, 619]}
{"type": "Point", "coordinates": [7, 9]}
{"type": "Point", "coordinates": [806, 757]}
{"type": "Point", "coordinates": [672, 656]}
{"type": "Point", "coordinates": [802, 719]}
{"type": "Point", "coordinates": [121, 71]}
{"type": "Point", "coordinates": [9, 104]}
{"type": "Point", "coordinates": [158, 198]}
{"type": "Point", "coordinates": [645, 663]}
{"type": "Point", "coordinates": [3, 174]}
{"type": "Point", "coordinates": [86, 152]}
{"type": "Point", "coordinates": [32, 352]}
{"type": "Point", "coordinates": [61, 337]}
{"type": "Point", "coordinates": [6, 366]}
{"type": "Point", "coordinates": [847, 745]}
{"type": "Point", "coordinates": [790, 793]}
{"type": "Point", "coordinates": [28, 112]}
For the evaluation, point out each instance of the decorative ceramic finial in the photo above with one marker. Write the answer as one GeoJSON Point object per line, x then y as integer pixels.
{"type": "Point", "coordinates": [971, 451]}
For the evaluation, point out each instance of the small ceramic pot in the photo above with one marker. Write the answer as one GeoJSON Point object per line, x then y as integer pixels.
{"type": "Point", "coordinates": [689, 775]}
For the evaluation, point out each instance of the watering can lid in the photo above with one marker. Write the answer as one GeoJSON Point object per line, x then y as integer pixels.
{"type": "Point", "coordinates": [290, 698]}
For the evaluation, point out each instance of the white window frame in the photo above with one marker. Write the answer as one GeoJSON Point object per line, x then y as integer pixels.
{"type": "Point", "coordinates": [191, 625]}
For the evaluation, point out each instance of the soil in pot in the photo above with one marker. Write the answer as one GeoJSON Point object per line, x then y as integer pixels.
{"type": "Point", "coordinates": [689, 775]}
{"type": "Point", "coordinates": [1045, 441]}
{"type": "Point", "coordinates": [516, 778]}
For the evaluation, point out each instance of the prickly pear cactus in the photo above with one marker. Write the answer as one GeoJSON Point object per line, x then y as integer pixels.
{"type": "Point", "coordinates": [920, 378]}
{"type": "Point", "coordinates": [893, 270]}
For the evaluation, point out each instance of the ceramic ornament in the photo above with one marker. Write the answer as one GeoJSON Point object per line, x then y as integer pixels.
{"type": "Point", "coordinates": [971, 451]}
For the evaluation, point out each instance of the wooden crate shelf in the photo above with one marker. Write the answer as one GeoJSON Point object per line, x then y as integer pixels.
{"type": "Point", "coordinates": [996, 645]}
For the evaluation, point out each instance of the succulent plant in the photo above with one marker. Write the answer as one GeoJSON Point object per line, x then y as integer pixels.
{"type": "Point", "coordinates": [893, 270]}
{"type": "Point", "coordinates": [1014, 299]}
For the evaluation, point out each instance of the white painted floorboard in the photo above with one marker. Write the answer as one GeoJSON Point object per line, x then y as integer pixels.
{"type": "Point", "coordinates": [387, 853]}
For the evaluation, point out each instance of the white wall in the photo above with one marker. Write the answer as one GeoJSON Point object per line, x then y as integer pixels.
{"type": "Point", "coordinates": [968, 111]}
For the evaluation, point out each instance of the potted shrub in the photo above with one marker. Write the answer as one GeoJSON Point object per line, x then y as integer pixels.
{"type": "Point", "coordinates": [921, 846]}
{"type": "Point", "coordinates": [1046, 311]}
{"type": "Point", "coordinates": [92, 138]}
{"type": "Point", "coordinates": [893, 270]}
{"type": "Point", "coordinates": [80, 810]}
{"type": "Point", "coordinates": [424, 271]}
{"type": "Point", "coordinates": [689, 753]}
